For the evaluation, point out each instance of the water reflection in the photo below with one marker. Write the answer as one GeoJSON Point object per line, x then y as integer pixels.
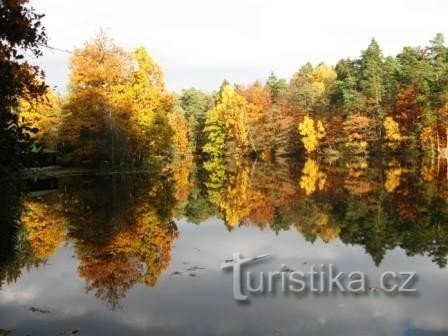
{"type": "Point", "coordinates": [122, 228]}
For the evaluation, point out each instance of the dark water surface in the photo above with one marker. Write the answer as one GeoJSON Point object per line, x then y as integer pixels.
{"type": "Point", "coordinates": [141, 254]}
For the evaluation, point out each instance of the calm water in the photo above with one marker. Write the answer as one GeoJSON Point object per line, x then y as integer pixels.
{"type": "Point", "coordinates": [129, 254]}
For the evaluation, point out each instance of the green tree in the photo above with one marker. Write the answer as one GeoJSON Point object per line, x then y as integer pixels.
{"type": "Point", "coordinates": [195, 104]}
{"type": "Point", "coordinates": [372, 74]}
{"type": "Point", "coordinates": [277, 86]}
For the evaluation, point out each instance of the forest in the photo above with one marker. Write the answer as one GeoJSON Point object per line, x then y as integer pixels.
{"type": "Point", "coordinates": [118, 113]}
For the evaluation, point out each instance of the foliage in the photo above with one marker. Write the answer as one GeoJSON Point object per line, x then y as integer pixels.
{"type": "Point", "coordinates": [393, 134]}
{"type": "Point", "coordinates": [226, 125]}
{"type": "Point", "coordinates": [311, 133]}
{"type": "Point", "coordinates": [312, 178]}
{"type": "Point", "coordinates": [21, 33]}
{"type": "Point", "coordinates": [117, 107]}
{"type": "Point", "coordinates": [44, 116]}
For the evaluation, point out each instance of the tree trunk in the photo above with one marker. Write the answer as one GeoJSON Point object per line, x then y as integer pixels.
{"type": "Point", "coordinates": [446, 144]}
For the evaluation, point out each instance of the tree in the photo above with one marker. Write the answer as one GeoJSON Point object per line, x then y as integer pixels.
{"type": "Point", "coordinates": [181, 132]}
{"type": "Point", "coordinates": [346, 96]}
{"type": "Point", "coordinates": [276, 86]}
{"type": "Point", "coordinates": [215, 134]}
{"type": "Point", "coordinates": [195, 104]}
{"type": "Point", "coordinates": [21, 32]}
{"type": "Point", "coordinates": [312, 178]}
{"type": "Point", "coordinates": [372, 73]}
{"type": "Point", "coordinates": [260, 100]}
{"type": "Point", "coordinates": [310, 87]}
{"type": "Point", "coordinates": [372, 82]}
{"type": "Point", "coordinates": [393, 135]}
{"type": "Point", "coordinates": [44, 116]}
{"type": "Point", "coordinates": [44, 223]}
{"type": "Point", "coordinates": [359, 131]}
{"type": "Point", "coordinates": [311, 133]}
{"type": "Point", "coordinates": [438, 57]}
{"type": "Point", "coordinates": [90, 128]}
{"type": "Point", "coordinates": [148, 87]}
{"type": "Point", "coordinates": [151, 106]}
{"type": "Point", "coordinates": [226, 126]}
{"type": "Point", "coordinates": [117, 106]}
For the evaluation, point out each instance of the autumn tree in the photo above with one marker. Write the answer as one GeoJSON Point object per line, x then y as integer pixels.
{"type": "Point", "coordinates": [226, 126]}
{"type": "Point", "coordinates": [44, 223]}
{"type": "Point", "coordinates": [359, 131]}
{"type": "Point", "coordinates": [153, 103]}
{"type": "Point", "coordinates": [258, 114]}
{"type": "Point", "coordinates": [117, 106]}
{"type": "Point", "coordinates": [312, 132]}
{"type": "Point", "coordinates": [310, 87]}
{"type": "Point", "coordinates": [91, 123]}
{"type": "Point", "coordinates": [43, 119]}
{"type": "Point", "coordinates": [392, 132]}
{"type": "Point", "coordinates": [312, 178]}
{"type": "Point", "coordinates": [181, 133]}
{"type": "Point", "coordinates": [21, 33]}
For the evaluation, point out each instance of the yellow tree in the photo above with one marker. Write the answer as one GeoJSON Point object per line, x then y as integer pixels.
{"type": "Point", "coordinates": [44, 225]}
{"type": "Point", "coordinates": [236, 199]}
{"type": "Point", "coordinates": [322, 78]}
{"type": "Point", "coordinates": [312, 178]}
{"type": "Point", "coordinates": [45, 117]}
{"type": "Point", "coordinates": [311, 133]}
{"type": "Point", "coordinates": [117, 107]}
{"type": "Point", "coordinates": [393, 176]}
{"type": "Point", "coordinates": [310, 87]}
{"type": "Point", "coordinates": [152, 104]}
{"type": "Point", "coordinates": [393, 135]}
{"type": "Point", "coordinates": [260, 99]}
{"type": "Point", "coordinates": [181, 129]}
{"type": "Point", "coordinates": [226, 126]}
{"type": "Point", "coordinates": [148, 87]}
{"type": "Point", "coordinates": [91, 122]}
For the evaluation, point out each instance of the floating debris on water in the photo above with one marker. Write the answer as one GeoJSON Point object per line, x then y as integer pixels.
{"type": "Point", "coordinates": [39, 310]}
{"type": "Point", "coordinates": [196, 268]}
{"type": "Point", "coordinates": [286, 268]}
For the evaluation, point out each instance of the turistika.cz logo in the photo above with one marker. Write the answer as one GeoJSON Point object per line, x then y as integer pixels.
{"type": "Point", "coordinates": [323, 279]}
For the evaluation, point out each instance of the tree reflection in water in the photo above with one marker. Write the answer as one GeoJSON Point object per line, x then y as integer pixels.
{"type": "Point", "coordinates": [123, 226]}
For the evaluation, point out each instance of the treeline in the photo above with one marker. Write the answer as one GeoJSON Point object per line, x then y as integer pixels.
{"type": "Point", "coordinates": [373, 103]}
{"type": "Point", "coordinates": [119, 112]}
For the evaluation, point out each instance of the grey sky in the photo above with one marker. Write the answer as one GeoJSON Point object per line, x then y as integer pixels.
{"type": "Point", "coordinates": [201, 42]}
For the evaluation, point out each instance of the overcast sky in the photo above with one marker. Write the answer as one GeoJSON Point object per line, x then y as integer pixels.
{"type": "Point", "coordinates": [200, 42]}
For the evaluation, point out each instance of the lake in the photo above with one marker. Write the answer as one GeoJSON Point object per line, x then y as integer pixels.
{"type": "Point", "coordinates": [130, 253]}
